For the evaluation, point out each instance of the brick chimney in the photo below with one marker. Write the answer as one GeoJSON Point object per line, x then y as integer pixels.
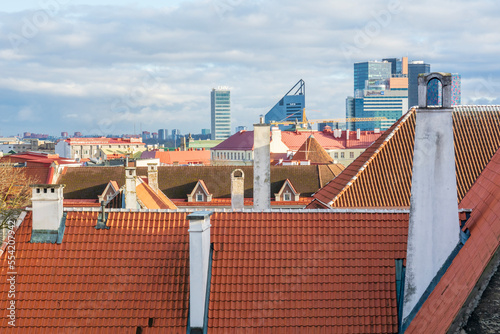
{"type": "Point", "coordinates": [199, 269]}
{"type": "Point", "coordinates": [433, 233]}
{"type": "Point", "coordinates": [130, 185]}
{"type": "Point", "coordinates": [47, 221]}
{"type": "Point", "coordinates": [237, 190]}
{"type": "Point", "coordinates": [153, 176]}
{"type": "Point", "coordinates": [261, 167]}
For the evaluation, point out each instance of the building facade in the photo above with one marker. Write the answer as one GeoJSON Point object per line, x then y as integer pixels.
{"type": "Point", "coordinates": [97, 148]}
{"type": "Point", "coordinates": [220, 113]}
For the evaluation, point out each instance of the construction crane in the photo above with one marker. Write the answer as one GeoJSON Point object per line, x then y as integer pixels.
{"type": "Point", "coordinates": [326, 120]}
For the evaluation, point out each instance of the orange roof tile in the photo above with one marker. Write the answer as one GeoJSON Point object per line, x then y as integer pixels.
{"type": "Point", "coordinates": [381, 176]}
{"type": "Point", "coordinates": [271, 272]}
{"type": "Point", "coordinates": [152, 199]}
{"type": "Point", "coordinates": [448, 297]}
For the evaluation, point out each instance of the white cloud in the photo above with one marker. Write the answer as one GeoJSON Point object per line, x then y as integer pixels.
{"type": "Point", "coordinates": [155, 66]}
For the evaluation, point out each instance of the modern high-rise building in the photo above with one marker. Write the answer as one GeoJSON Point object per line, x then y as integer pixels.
{"type": "Point", "coordinates": [290, 107]}
{"type": "Point", "coordinates": [220, 113]}
{"type": "Point", "coordinates": [162, 134]}
{"type": "Point", "coordinates": [415, 68]}
{"type": "Point", "coordinates": [380, 90]}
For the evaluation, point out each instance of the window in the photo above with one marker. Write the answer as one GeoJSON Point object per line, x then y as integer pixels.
{"type": "Point", "coordinates": [351, 155]}
{"type": "Point", "coordinates": [336, 155]}
{"type": "Point", "coordinates": [341, 155]}
{"type": "Point", "coordinates": [287, 197]}
{"type": "Point", "coordinates": [199, 197]}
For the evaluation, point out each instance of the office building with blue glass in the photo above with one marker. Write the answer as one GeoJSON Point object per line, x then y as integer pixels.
{"type": "Point", "coordinates": [290, 107]}
{"type": "Point", "coordinates": [220, 113]}
{"type": "Point", "coordinates": [380, 90]}
{"type": "Point", "coordinates": [415, 68]}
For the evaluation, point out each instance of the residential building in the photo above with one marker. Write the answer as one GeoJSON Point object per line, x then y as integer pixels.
{"type": "Point", "coordinates": [290, 107]}
{"type": "Point", "coordinates": [220, 104]}
{"type": "Point", "coordinates": [98, 148]}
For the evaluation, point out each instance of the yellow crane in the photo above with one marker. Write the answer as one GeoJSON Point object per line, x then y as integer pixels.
{"type": "Point", "coordinates": [328, 120]}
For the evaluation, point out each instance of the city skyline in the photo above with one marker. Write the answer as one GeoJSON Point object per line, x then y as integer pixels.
{"type": "Point", "coordinates": [99, 69]}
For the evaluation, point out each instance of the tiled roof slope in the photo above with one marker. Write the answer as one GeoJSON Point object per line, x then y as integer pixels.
{"type": "Point", "coordinates": [381, 176]}
{"type": "Point", "coordinates": [178, 181]}
{"type": "Point", "coordinates": [272, 272]}
{"type": "Point", "coordinates": [152, 199]}
{"type": "Point", "coordinates": [449, 296]}
{"type": "Point", "coordinates": [295, 139]}
{"type": "Point", "coordinates": [102, 281]}
{"type": "Point", "coordinates": [312, 150]}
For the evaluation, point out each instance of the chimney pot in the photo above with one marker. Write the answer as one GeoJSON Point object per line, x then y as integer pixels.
{"type": "Point", "coordinates": [237, 190]}
{"type": "Point", "coordinates": [47, 204]}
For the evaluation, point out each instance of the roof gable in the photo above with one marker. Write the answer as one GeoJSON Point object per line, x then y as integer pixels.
{"type": "Point", "coordinates": [151, 199]}
{"type": "Point", "coordinates": [457, 289]}
{"type": "Point", "coordinates": [312, 150]}
{"type": "Point", "coordinates": [203, 187]}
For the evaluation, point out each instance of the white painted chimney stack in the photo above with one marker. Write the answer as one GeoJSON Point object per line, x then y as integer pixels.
{"type": "Point", "coordinates": [130, 188]}
{"type": "Point", "coordinates": [261, 167]}
{"type": "Point", "coordinates": [153, 176]}
{"type": "Point", "coordinates": [47, 203]}
{"type": "Point", "coordinates": [433, 233]}
{"type": "Point", "coordinates": [199, 260]}
{"type": "Point", "coordinates": [237, 190]}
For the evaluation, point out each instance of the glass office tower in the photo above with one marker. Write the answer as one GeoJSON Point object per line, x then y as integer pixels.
{"type": "Point", "coordinates": [220, 113]}
{"type": "Point", "coordinates": [415, 68]}
{"type": "Point", "coordinates": [290, 107]}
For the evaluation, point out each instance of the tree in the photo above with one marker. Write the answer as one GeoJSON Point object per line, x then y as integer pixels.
{"type": "Point", "coordinates": [15, 193]}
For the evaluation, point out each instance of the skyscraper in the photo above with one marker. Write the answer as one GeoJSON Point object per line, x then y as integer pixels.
{"type": "Point", "coordinates": [415, 68]}
{"type": "Point", "coordinates": [220, 113]}
{"type": "Point", "coordinates": [290, 107]}
{"type": "Point", "coordinates": [380, 90]}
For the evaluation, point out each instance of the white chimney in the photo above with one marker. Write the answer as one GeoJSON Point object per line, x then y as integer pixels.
{"type": "Point", "coordinates": [153, 176]}
{"type": "Point", "coordinates": [358, 134]}
{"type": "Point", "coordinates": [199, 260]}
{"type": "Point", "coordinates": [47, 203]}
{"type": "Point", "coordinates": [261, 167]}
{"type": "Point", "coordinates": [130, 192]}
{"type": "Point", "coordinates": [237, 190]}
{"type": "Point", "coordinates": [277, 145]}
{"type": "Point", "coordinates": [433, 232]}
{"type": "Point", "coordinates": [346, 134]}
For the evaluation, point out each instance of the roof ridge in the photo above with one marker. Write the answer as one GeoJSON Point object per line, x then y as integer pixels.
{"type": "Point", "coordinates": [375, 153]}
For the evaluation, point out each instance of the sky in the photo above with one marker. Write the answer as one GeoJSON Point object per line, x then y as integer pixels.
{"type": "Point", "coordinates": [114, 67]}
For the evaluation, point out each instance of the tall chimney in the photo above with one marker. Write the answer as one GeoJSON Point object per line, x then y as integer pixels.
{"type": "Point", "coordinates": [237, 190]}
{"type": "Point", "coordinates": [47, 203]}
{"type": "Point", "coordinates": [261, 167]}
{"type": "Point", "coordinates": [347, 134]}
{"type": "Point", "coordinates": [199, 261]}
{"type": "Point", "coordinates": [130, 192]}
{"type": "Point", "coordinates": [433, 233]}
{"type": "Point", "coordinates": [358, 134]}
{"type": "Point", "coordinates": [153, 176]}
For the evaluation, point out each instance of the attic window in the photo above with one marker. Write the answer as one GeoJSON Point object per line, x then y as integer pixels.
{"type": "Point", "coordinates": [287, 197]}
{"type": "Point", "coordinates": [45, 190]}
{"type": "Point", "coordinates": [37, 190]}
{"type": "Point", "coordinates": [199, 197]}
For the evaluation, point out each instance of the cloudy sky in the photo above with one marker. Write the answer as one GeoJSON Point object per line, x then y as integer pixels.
{"type": "Point", "coordinates": [110, 66]}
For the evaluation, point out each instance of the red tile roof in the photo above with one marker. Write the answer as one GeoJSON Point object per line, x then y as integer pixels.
{"type": "Point", "coordinates": [449, 296]}
{"type": "Point", "coordinates": [381, 176]}
{"type": "Point", "coordinates": [295, 139]}
{"type": "Point", "coordinates": [179, 157]}
{"type": "Point", "coordinates": [35, 159]}
{"type": "Point", "coordinates": [151, 199]}
{"type": "Point", "coordinates": [271, 272]}
{"type": "Point", "coordinates": [103, 141]}
{"type": "Point", "coordinates": [242, 140]}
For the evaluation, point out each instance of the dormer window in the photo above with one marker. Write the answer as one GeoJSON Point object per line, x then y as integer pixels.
{"type": "Point", "coordinates": [287, 197]}
{"type": "Point", "coordinates": [199, 197]}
